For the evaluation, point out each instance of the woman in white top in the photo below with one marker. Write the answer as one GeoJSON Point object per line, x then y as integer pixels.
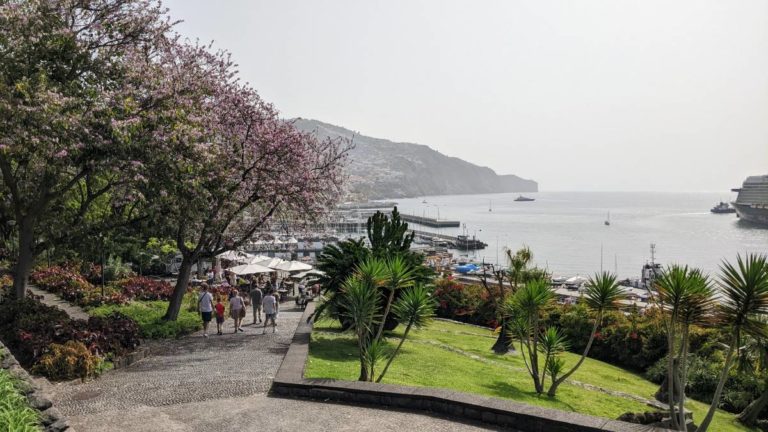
{"type": "Point", "coordinates": [237, 310]}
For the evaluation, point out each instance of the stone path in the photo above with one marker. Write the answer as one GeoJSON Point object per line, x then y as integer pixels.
{"type": "Point", "coordinates": [219, 384]}
{"type": "Point", "coordinates": [54, 300]}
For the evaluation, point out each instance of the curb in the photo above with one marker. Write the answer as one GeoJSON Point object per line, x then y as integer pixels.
{"type": "Point", "coordinates": [50, 417]}
{"type": "Point", "coordinates": [290, 382]}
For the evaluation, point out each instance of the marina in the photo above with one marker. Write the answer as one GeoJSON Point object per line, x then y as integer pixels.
{"type": "Point", "coordinates": [430, 222]}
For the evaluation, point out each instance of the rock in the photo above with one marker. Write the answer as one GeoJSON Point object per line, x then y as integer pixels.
{"type": "Point", "coordinates": [643, 418]}
{"type": "Point", "coordinates": [38, 402]}
{"type": "Point", "coordinates": [50, 416]}
{"type": "Point", "coordinates": [8, 361]}
{"type": "Point", "coordinates": [59, 426]}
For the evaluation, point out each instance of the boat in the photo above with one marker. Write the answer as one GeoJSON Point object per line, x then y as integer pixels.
{"type": "Point", "coordinates": [751, 204]}
{"type": "Point", "coordinates": [524, 199]}
{"type": "Point", "coordinates": [424, 202]}
{"type": "Point", "coordinates": [490, 207]}
{"type": "Point", "coordinates": [608, 221]}
{"type": "Point", "coordinates": [723, 207]}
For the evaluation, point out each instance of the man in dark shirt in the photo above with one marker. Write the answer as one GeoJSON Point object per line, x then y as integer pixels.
{"type": "Point", "coordinates": [256, 297]}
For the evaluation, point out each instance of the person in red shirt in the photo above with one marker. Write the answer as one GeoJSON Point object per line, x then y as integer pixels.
{"type": "Point", "coordinates": [219, 315]}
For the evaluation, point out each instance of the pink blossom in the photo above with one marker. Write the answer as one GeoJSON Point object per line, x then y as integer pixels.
{"type": "Point", "coordinates": [61, 154]}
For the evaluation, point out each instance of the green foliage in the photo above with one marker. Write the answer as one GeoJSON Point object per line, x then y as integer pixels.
{"type": "Point", "coordinates": [15, 413]}
{"type": "Point", "coordinates": [68, 361]}
{"type": "Point", "coordinates": [115, 269]}
{"type": "Point", "coordinates": [148, 315]}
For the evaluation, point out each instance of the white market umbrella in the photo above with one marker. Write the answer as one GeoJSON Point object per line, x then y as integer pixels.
{"type": "Point", "coordinates": [247, 269]}
{"type": "Point", "coordinates": [236, 256]}
{"type": "Point", "coordinates": [293, 266]}
{"type": "Point", "coordinates": [270, 262]}
{"type": "Point", "coordinates": [259, 258]}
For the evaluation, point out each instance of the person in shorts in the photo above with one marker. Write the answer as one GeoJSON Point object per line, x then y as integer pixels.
{"type": "Point", "coordinates": [219, 308]}
{"type": "Point", "coordinates": [205, 305]}
{"type": "Point", "coordinates": [237, 309]}
{"type": "Point", "coordinates": [269, 304]}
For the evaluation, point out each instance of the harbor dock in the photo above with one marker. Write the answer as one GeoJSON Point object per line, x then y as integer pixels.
{"type": "Point", "coordinates": [456, 242]}
{"type": "Point", "coordinates": [430, 222]}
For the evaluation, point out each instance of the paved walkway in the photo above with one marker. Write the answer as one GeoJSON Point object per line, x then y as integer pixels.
{"type": "Point", "coordinates": [54, 300]}
{"type": "Point", "coordinates": [219, 384]}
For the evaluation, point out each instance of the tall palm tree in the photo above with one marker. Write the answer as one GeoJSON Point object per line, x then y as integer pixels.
{"type": "Point", "coordinates": [744, 290]}
{"type": "Point", "coordinates": [415, 307]}
{"type": "Point", "coordinates": [360, 304]}
{"type": "Point", "coordinates": [603, 293]}
{"type": "Point", "coordinates": [526, 308]}
{"type": "Point", "coordinates": [398, 274]}
{"type": "Point", "coordinates": [755, 360]}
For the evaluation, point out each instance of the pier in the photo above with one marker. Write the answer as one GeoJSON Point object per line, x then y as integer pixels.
{"type": "Point", "coordinates": [430, 222]}
{"type": "Point", "coordinates": [461, 242]}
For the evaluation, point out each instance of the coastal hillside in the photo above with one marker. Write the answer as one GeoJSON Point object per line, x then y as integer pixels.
{"type": "Point", "coordinates": [380, 168]}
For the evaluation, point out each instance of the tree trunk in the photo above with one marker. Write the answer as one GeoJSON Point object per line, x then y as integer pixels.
{"type": "Point", "coordinates": [753, 410]}
{"type": "Point", "coordinates": [502, 345]}
{"type": "Point", "coordinates": [386, 312]}
{"type": "Point", "coordinates": [683, 375]}
{"type": "Point", "coordinates": [363, 364]}
{"type": "Point", "coordinates": [556, 383]}
{"type": "Point", "coordinates": [177, 298]}
{"type": "Point", "coordinates": [26, 257]}
{"type": "Point", "coordinates": [389, 362]}
{"type": "Point", "coordinates": [671, 371]}
{"type": "Point", "coordinates": [719, 390]}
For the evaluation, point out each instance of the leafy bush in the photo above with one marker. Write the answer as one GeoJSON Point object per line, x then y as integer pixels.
{"type": "Point", "coordinates": [68, 361]}
{"type": "Point", "coordinates": [6, 286]}
{"type": "Point", "coordinates": [144, 288]}
{"type": "Point", "coordinates": [120, 333]}
{"type": "Point", "coordinates": [117, 269]}
{"type": "Point", "coordinates": [465, 303]}
{"type": "Point", "coordinates": [15, 413]}
{"type": "Point", "coordinates": [70, 285]}
{"type": "Point", "coordinates": [149, 317]}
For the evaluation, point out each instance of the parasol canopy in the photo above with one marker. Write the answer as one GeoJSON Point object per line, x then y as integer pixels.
{"type": "Point", "coordinates": [292, 266]}
{"type": "Point", "coordinates": [246, 269]}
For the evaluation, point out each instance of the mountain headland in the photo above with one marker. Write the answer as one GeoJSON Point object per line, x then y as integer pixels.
{"type": "Point", "coordinates": [379, 168]}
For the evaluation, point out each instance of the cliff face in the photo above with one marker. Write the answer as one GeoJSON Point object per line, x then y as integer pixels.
{"type": "Point", "coordinates": [380, 168]}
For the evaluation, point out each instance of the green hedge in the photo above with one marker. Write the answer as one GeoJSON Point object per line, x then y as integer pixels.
{"type": "Point", "coordinates": [149, 316]}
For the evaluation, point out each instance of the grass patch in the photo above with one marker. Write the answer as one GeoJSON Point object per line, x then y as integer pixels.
{"type": "Point", "coordinates": [149, 316]}
{"type": "Point", "coordinates": [459, 357]}
{"type": "Point", "coordinates": [15, 414]}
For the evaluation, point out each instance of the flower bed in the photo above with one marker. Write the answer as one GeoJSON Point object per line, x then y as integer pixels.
{"type": "Point", "coordinates": [30, 329]}
{"type": "Point", "coordinates": [74, 288]}
{"type": "Point", "coordinates": [144, 288]}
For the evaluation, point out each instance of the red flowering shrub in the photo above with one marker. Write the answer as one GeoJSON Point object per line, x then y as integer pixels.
{"type": "Point", "coordinates": [73, 287]}
{"type": "Point", "coordinates": [467, 303]}
{"type": "Point", "coordinates": [144, 288]}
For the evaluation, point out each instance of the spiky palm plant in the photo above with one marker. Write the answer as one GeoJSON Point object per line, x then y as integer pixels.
{"type": "Point", "coordinates": [416, 308]}
{"type": "Point", "coordinates": [552, 343]}
{"type": "Point", "coordinates": [744, 298]}
{"type": "Point", "coordinates": [398, 275]}
{"type": "Point", "coordinates": [603, 293]}
{"type": "Point", "coordinates": [360, 305]}
{"type": "Point", "coordinates": [526, 307]}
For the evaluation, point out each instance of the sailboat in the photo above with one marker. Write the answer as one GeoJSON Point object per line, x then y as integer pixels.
{"type": "Point", "coordinates": [490, 208]}
{"type": "Point", "coordinates": [608, 221]}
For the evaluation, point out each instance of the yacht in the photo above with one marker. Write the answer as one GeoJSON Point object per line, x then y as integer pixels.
{"type": "Point", "coordinates": [723, 207]}
{"type": "Point", "coordinates": [525, 199]}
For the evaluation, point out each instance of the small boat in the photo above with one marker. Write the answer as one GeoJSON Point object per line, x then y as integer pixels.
{"type": "Point", "coordinates": [723, 207]}
{"type": "Point", "coordinates": [608, 221]}
{"type": "Point", "coordinates": [490, 207]}
{"type": "Point", "coordinates": [524, 199]}
{"type": "Point", "coordinates": [424, 202]}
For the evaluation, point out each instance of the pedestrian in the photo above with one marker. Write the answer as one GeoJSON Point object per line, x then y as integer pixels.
{"type": "Point", "coordinates": [237, 310]}
{"type": "Point", "coordinates": [219, 316]}
{"type": "Point", "coordinates": [270, 306]}
{"type": "Point", "coordinates": [256, 297]}
{"type": "Point", "coordinates": [205, 306]}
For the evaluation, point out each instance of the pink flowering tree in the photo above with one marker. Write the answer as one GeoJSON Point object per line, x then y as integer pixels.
{"type": "Point", "coordinates": [68, 113]}
{"type": "Point", "coordinates": [230, 164]}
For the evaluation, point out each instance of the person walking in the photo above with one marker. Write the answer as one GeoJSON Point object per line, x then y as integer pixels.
{"type": "Point", "coordinates": [219, 316]}
{"type": "Point", "coordinates": [205, 306]}
{"type": "Point", "coordinates": [256, 297]}
{"type": "Point", "coordinates": [237, 309]}
{"type": "Point", "coordinates": [270, 311]}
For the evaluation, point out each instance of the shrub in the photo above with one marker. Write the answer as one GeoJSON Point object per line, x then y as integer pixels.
{"type": "Point", "coordinates": [117, 269]}
{"type": "Point", "coordinates": [120, 333]}
{"type": "Point", "coordinates": [15, 413]}
{"type": "Point", "coordinates": [144, 288]}
{"type": "Point", "coordinates": [68, 361]}
{"type": "Point", "coordinates": [73, 287]}
{"type": "Point", "coordinates": [465, 303]}
{"type": "Point", "coordinates": [149, 317]}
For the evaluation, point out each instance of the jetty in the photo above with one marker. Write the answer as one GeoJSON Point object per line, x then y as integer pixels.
{"type": "Point", "coordinates": [430, 222]}
{"type": "Point", "coordinates": [461, 242]}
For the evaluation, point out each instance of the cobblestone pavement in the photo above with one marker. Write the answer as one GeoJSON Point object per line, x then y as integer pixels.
{"type": "Point", "coordinates": [218, 383]}
{"type": "Point", "coordinates": [54, 300]}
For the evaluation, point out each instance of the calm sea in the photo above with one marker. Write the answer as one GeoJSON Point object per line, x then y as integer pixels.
{"type": "Point", "coordinates": [566, 230]}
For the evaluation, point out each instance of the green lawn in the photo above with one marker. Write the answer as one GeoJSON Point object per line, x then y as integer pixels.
{"type": "Point", "coordinates": [15, 413]}
{"type": "Point", "coordinates": [458, 357]}
{"type": "Point", "coordinates": [148, 314]}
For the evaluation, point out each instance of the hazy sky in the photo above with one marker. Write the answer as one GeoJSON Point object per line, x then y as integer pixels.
{"type": "Point", "coordinates": [578, 95]}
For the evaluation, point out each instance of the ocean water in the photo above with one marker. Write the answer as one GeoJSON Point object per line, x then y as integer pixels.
{"type": "Point", "coordinates": [566, 230]}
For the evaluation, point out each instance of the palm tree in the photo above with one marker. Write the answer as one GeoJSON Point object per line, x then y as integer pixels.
{"type": "Point", "coordinates": [338, 262]}
{"type": "Point", "coordinates": [755, 360]}
{"type": "Point", "coordinates": [398, 275]}
{"type": "Point", "coordinates": [603, 293]}
{"type": "Point", "coordinates": [416, 307]}
{"type": "Point", "coordinates": [360, 303]}
{"type": "Point", "coordinates": [525, 308]}
{"type": "Point", "coordinates": [744, 299]}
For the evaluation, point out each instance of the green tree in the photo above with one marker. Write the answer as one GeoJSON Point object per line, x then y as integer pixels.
{"type": "Point", "coordinates": [399, 275]}
{"type": "Point", "coordinates": [603, 293]}
{"type": "Point", "coordinates": [360, 301]}
{"type": "Point", "coordinates": [744, 298]}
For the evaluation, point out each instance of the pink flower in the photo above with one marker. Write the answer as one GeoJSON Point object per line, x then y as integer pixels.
{"type": "Point", "coordinates": [61, 154]}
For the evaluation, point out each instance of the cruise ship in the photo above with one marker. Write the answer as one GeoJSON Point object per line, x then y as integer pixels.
{"type": "Point", "coordinates": [752, 202]}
